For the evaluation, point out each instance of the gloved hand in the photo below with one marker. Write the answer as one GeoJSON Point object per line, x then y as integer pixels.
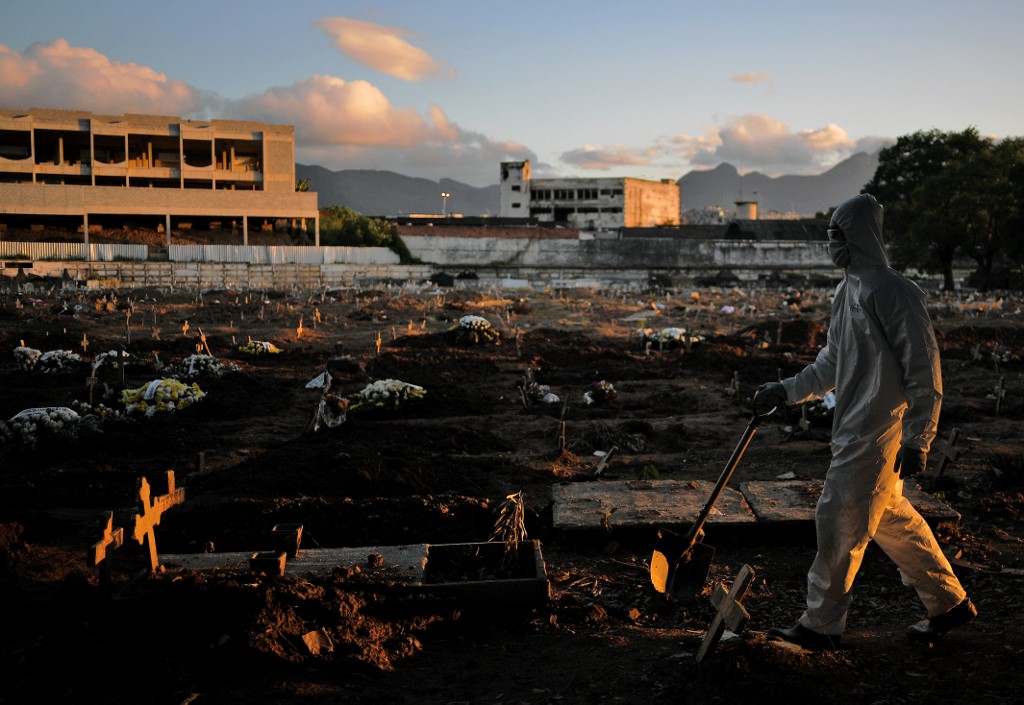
{"type": "Point", "coordinates": [772, 394]}
{"type": "Point", "coordinates": [909, 462]}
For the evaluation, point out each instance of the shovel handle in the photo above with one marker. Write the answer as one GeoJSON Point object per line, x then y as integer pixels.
{"type": "Point", "coordinates": [723, 479]}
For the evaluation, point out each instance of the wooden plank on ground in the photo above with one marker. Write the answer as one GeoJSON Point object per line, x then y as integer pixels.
{"type": "Point", "coordinates": [793, 501]}
{"type": "Point", "coordinates": [643, 503]}
{"type": "Point", "coordinates": [402, 561]}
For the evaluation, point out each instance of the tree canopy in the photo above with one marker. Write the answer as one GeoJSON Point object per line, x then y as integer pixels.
{"type": "Point", "coordinates": [340, 225]}
{"type": "Point", "coordinates": [952, 194]}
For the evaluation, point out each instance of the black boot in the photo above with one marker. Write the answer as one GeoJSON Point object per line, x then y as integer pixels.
{"type": "Point", "coordinates": [928, 631]}
{"type": "Point", "coordinates": [802, 636]}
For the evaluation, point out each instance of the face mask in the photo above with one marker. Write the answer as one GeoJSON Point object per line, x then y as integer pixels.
{"type": "Point", "coordinates": [838, 248]}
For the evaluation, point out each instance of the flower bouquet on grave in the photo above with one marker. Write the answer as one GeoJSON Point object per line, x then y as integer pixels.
{"type": "Point", "coordinates": [161, 395]}
{"type": "Point", "coordinates": [600, 392]}
{"type": "Point", "coordinates": [389, 394]}
{"type": "Point", "coordinates": [101, 412]}
{"type": "Point", "coordinates": [27, 428]}
{"type": "Point", "coordinates": [114, 358]}
{"type": "Point", "coordinates": [258, 347]}
{"type": "Point", "coordinates": [25, 358]}
{"type": "Point", "coordinates": [474, 330]}
{"type": "Point", "coordinates": [540, 393]}
{"type": "Point", "coordinates": [200, 365]}
{"type": "Point", "coordinates": [668, 338]}
{"type": "Point", "coordinates": [53, 361]}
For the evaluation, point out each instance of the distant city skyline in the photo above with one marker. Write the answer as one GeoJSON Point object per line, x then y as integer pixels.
{"type": "Point", "coordinates": [648, 89]}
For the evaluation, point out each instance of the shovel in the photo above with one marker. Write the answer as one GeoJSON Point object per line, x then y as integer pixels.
{"type": "Point", "coordinates": [681, 563]}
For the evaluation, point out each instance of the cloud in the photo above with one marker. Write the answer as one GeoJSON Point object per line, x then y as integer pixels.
{"type": "Point", "coordinates": [872, 144]}
{"type": "Point", "coordinates": [763, 143]}
{"type": "Point", "coordinates": [751, 77]}
{"type": "Point", "coordinates": [326, 110]}
{"type": "Point", "coordinates": [602, 158]}
{"type": "Point", "coordinates": [381, 48]}
{"type": "Point", "coordinates": [58, 75]}
{"type": "Point", "coordinates": [352, 125]}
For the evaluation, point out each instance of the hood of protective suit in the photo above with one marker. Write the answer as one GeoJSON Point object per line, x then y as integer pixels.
{"type": "Point", "coordinates": [858, 243]}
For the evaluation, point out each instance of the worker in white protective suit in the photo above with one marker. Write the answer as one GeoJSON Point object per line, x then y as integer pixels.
{"type": "Point", "coordinates": [882, 362]}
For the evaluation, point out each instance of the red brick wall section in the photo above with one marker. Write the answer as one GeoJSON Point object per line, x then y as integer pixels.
{"type": "Point", "coordinates": [459, 231]}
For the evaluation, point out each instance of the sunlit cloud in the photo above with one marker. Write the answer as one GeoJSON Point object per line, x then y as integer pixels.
{"type": "Point", "coordinates": [751, 77]}
{"type": "Point", "coordinates": [763, 143]}
{"type": "Point", "coordinates": [381, 48]}
{"type": "Point", "coordinates": [58, 75]}
{"type": "Point", "coordinates": [352, 125]}
{"type": "Point", "coordinates": [604, 158]}
{"type": "Point", "coordinates": [327, 110]}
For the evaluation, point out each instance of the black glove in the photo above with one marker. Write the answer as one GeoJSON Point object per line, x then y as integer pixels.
{"type": "Point", "coordinates": [772, 394]}
{"type": "Point", "coordinates": [909, 462]}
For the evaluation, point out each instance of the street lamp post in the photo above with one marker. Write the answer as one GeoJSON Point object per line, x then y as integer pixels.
{"type": "Point", "coordinates": [444, 203]}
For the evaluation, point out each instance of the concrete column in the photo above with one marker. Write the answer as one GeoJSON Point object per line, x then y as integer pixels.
{"type": "Point", "coordinates": [92, 155]}
{"type": "Point", "coordinates": [167, 229]}
{"type": "Point", "coordinates": [316, 231]}
{"type": "Point", "coordinates": [85, 235]}
{"type": "Point", "coordinates": [245, 230]}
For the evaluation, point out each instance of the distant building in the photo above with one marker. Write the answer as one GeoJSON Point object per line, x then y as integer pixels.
{"type": "Point", "coordinates": [73, 165]}
{"type": "Point", "coordinates": [588, 204]}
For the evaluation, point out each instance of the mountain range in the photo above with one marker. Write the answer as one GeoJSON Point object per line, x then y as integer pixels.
{"type": "Point", "coordinates": [385, 193]}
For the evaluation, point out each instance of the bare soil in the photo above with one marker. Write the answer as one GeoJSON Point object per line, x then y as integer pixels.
{"type": "Point", "coordinates": [436, 471]}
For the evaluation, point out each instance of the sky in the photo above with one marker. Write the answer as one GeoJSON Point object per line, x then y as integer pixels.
{"type": "Point", "coordinates": [450, 88]}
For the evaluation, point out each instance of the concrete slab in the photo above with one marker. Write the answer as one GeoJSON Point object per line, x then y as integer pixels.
{"type": "Point", "coordinates": [642, 503]}
{"type": "Point", "coordinates": [676, 503]}
{"type": "Point", "coordinates": [793, 501]}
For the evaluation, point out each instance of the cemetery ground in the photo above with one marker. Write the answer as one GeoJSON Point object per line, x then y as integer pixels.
{"type": "Point", "coordinates": [437, 470]}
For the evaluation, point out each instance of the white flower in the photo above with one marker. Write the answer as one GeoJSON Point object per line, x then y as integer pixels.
{"type": "Point", "coordinates": [28, 427]}
{"type": "Point", "coordinates": [390, 393]}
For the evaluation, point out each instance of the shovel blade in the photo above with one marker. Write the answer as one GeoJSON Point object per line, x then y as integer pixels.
{"type": "Point", "coordinates": [679, 567]}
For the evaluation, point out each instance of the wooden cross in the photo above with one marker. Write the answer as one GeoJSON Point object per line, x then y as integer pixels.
{"type": "Point", "coordinates": [85, 343]}
{"type": "Point", "coordinates": [729, 611]}
{"type": "Point", "coordinates": [90, 382]}
{"type": "Point", "coordinates": [202, 337]}
{"type": "Point", "coordinates": [1000, 393]}
{"type": "Point", "coordinates": [112, 539]}
{"type": "Point", "coordinates": [184, 329]}
{"type": "Point", "coordinates": [952, 452]}
{"type": "Point", "coordinates": [734, 385]}
{"type": "Point", "coordinates": [144, 525]}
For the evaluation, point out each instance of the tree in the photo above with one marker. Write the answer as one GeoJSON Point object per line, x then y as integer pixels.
{"type": "Point", "coordinates": [920, 181]}
{"type": "Point", "coordinates": [948, 194]}
{"type": "Point", "coordinates": [302, 185]}
{"type": "Point", "coordinates": [340, 225]}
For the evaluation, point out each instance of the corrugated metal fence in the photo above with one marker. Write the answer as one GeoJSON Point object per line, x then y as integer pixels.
{"type": "Point", "coordinates": [251, 254]}
{"type": "Point", "coordinates": [65, 251]}
{"type": "Point", "coordinates": [281, 254]}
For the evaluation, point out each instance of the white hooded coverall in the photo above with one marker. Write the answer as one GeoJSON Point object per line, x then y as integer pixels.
{"type": "Point", "coordinates": [882, 361]}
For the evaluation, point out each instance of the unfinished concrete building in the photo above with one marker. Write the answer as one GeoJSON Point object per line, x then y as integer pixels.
{"type": "Point", "coordinates": [600, 204]}
{"type": "Point", "coordinates": [78, 168]}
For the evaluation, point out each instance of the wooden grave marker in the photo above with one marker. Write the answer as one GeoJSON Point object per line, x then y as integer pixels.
{"type": "Point", "coordinates": [111, 540]}
{"type": "Point", "coordinates": [729, 609]}
{"type": "Point", "coordinates": [144, 525]}
{"type": "Point", "coordinates": [951, 453]}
